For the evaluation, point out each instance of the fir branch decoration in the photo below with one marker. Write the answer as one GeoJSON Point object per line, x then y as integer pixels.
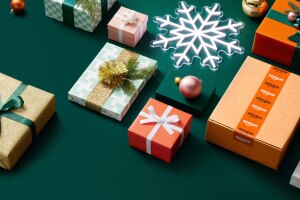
{"type": "Point", "coordinates": [90, 6]}
{"type": "Point", "coordinates": [294, 7]}
{"type": "Point", "coordinates": [117, 74]}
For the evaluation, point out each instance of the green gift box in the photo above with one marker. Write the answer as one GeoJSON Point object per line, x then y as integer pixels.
{"type": "Point", "coordinates": [74, 13]}
{"type": "Point", "coordinates": [169, 93]}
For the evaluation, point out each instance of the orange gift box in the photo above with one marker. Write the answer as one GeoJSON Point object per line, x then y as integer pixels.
{"type": "Point", "coordinates": [258, 114]}
{"type": "Point", "coordinates": [159, 130]}
{"type": "Point", "coordinates": [276, 38]}
{"type": "Point", "coordinates": [127, 26]}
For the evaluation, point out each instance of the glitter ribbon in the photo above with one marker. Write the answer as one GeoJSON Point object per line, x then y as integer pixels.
{"type": "Point", "coordinates": [15, 101]}
{"type": "Point", "coordinates": [165, 121]}
{"type": "Point", "coordinates": [101, 92]}
{"type": "Point", "coordinates": [128, 18]}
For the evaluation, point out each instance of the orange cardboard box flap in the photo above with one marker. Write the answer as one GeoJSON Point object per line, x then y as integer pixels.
{"type": "Point", "coordinates": [159, 130]}
{"type": "Point", "coordinates": [258, 113]}
{"type": "Point", "coordinates": [276, 38]}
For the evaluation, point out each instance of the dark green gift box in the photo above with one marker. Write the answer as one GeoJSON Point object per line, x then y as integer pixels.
{"type": "Point", "coordinates": [168, 92]}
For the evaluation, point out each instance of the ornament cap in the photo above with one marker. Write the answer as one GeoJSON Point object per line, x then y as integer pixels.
{"type": "Point", "coordinates": [177, 80]}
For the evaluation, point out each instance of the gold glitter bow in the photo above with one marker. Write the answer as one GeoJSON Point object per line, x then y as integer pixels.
{"type": "Point", "coordinates": [117, 73]}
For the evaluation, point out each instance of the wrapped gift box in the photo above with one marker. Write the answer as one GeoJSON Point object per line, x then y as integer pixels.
{"type": "Point", "coordinates": [69, 12]}
{"type": "Point", "coordinates": [88, 92]}
{"type": "Point", "coordinates": [295, 180]}
{"type": "Point", "coordinates": [276, 38]}
{"type": "Point", "coordinates": [258, 114]}
{"type": "Point", "coordinates": [159, 130]}
{"type": "Point", "coordinates": [127, 27]}
{"type": "Point", "coordinates": [168, 92]}
{"type": "Point", "coordinates": [21, 119]}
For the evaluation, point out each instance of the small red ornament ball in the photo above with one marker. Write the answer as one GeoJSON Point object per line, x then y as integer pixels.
{"type": "Point", "coordinates": [17, 5]}
{"type": "Point", "coordinates": [292, 16]}
{"type": "Point", "coordinates": [190, 87]}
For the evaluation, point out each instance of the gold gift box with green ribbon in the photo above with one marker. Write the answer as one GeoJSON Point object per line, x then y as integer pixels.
{"type": "Point", "coordinates": [24, 111]}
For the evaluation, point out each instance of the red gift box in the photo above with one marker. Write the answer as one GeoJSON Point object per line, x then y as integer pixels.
{"type": "Point", "coordinates": [159, 130]}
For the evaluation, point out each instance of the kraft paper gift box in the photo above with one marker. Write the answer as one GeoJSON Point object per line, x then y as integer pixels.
{"type": "Point", "coordinates": [295, 180]}
{"type": "Point", "coordinates": [24, 111]}
{"type": "Point", "coordinates": [88, 91]}
{"type": "Point", "coordinates": [159, 130]}
{"type": "Point", "coordinates": [168, 92]}
{"type": "Point", "coordinates": [72, 13]}
{"type": "Point", "coordinates": [276, 38]}
{"type": "Point", "coordinates": [127, 26]}
{"type": "Point", "coordinates": [258, 114]}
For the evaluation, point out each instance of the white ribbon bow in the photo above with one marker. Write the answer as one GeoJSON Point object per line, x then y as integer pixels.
{"type": "Point", "coordinates": [128, 17]}
{"type": "Point", "coordinates": [166, 121]}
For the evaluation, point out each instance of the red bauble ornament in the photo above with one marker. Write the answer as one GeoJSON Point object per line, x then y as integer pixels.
{"type": "Point", "coordinates": [17, 6]}
{"type": "Point", "coordinates": [190, 87]}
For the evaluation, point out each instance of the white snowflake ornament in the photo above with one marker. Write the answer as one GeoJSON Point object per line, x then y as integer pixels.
{"type": "Point", "coordinates": [201, 35]}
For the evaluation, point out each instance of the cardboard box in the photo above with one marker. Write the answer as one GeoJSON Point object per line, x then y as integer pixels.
{"type": "Point", "coordinates": [127, 26]}
{"type": "Point", "coordinates": [88, 91]}
{"type": "Point", "coordinates": [20, 124]}
{"type": "Point", "coordinates": [295, 180]}
{"type": "Point", "coordinates": [159, 130]}
{"type": "Point", "coordinates": [258, 113]}
{"type": "Point", "coordinates": [69, 12]}
{"type": "Point", "coordinates": [276, 38]}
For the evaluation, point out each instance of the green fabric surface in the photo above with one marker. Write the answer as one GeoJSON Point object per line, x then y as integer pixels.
{"type": "Point", "coordinates": [81, 154]}
{"type": "Point", "coordinates": [168, 92]}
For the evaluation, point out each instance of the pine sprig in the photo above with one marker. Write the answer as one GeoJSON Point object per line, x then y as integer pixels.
{"type": "Point", "coordinates": [117, 74]}
{"type": "Point", "coordinates": [90, 6]}
{"type": "Point", "coordinates": [294, 6]}
{"type": "Point", "coordinates": [142, 73]}
{"type": "Point", "coordinates": [128, 87]}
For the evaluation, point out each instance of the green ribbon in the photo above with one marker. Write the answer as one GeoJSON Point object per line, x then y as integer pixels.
{"type": "Point", "coordinates": [282, 18]}
{"type": "Point", "coordinates": [15, 101]}
{"type": "Point", "coordinates": [68, 10]}
{"type": "Point", "coordinates": [104, 7]}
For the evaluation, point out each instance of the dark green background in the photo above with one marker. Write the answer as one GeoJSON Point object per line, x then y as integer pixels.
{"type": "Point", "coordinates": [84, 155]}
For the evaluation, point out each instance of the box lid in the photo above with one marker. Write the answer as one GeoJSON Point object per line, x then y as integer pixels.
{"type": "Point", "coordinates": [283, 116]}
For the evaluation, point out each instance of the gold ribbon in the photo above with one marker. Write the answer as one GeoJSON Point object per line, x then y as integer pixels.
{"type": "Point", "coordinates": [101, 92]}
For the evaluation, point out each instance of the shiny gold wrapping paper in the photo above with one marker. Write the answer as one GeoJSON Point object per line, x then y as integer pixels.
{"type": "Point", "coordinates": [15, 137]}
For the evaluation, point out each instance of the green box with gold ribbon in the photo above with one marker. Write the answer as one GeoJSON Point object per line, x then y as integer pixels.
{"type": "Point", "coordinates": [82, 14]}
{"type": "Point", "coordinates": [24, 111]}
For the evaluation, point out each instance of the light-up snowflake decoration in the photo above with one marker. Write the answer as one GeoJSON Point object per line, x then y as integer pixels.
{"type": "Point", "coordinates": [201, 35]}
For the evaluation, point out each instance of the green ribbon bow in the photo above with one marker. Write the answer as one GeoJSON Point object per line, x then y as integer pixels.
{"type": "Point", "coordinates": [282, 18]}
{"type": "Point", "coordinates": [15, 102]}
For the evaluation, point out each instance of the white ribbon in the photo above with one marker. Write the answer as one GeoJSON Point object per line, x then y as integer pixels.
{"type": "Point", "coordinates": [128, 17]}
{"type": "Point", "coordinates": [165, 121]}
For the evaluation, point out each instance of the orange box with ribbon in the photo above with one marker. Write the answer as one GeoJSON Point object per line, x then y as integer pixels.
{"type": "Point", "coordinates": [258, 113]}
{"type": "Point", "coordinates": [159, 130]}
{"type": "Point", "coordinates": [127, 26]}
{"type": "Point", "coordinates": [277, 38]}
